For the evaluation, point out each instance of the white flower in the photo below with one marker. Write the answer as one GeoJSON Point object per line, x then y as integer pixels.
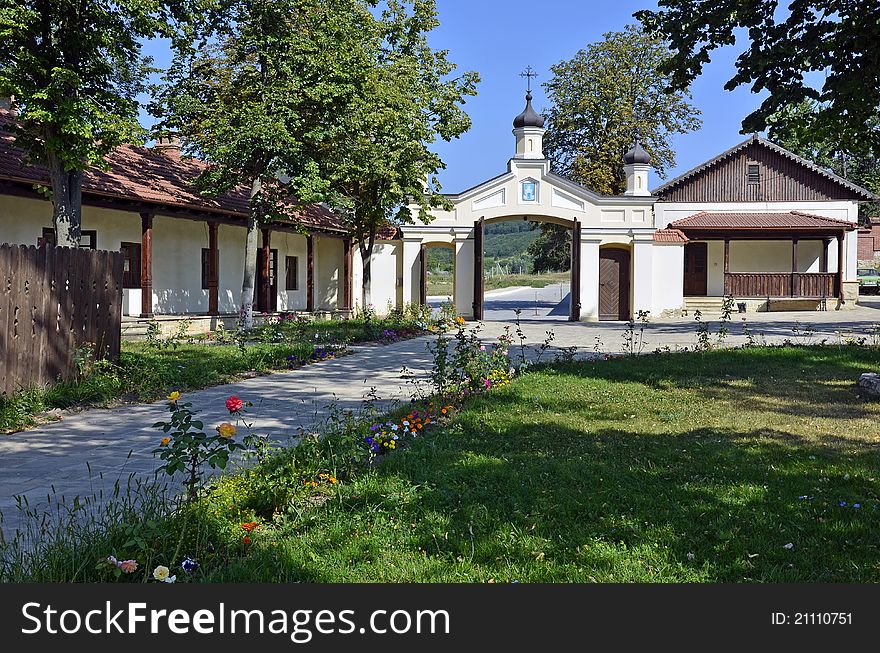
{"type": "Point", "coordinates": [788, 546]}
{"type": "Point", "coordinates": [161, 573]}
{"type": "Point", "coordinates": [690, 556]}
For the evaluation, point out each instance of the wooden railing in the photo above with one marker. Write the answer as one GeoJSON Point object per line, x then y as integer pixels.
{"type": "Point", "coordinates": [780, 284]}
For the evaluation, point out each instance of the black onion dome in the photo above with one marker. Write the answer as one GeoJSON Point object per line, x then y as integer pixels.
{"type": "Point", "coordinates": [529, 117]}
{"type": "Point", "coordinates": [637, 155]}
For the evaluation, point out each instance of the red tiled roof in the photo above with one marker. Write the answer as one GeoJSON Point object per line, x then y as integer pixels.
{"type": "Point", "coordinates": [670, 236]}
{"type": "Point", "coordinates": [794, 220]}
{"type": "Point", "coordinates": [146, 175]}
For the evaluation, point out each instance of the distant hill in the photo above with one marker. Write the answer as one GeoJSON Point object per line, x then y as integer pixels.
{"type": "Point", "coordinates": [506, 245]}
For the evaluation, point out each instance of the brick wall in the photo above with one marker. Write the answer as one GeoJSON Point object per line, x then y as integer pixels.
{"type": "Point", "coordinates": [869, 242]}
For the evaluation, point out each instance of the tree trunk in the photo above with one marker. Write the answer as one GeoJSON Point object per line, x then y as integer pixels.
{"type": "Point", "coordinates": [246, 309]}
{"type": "Point", "coordinates": [367, 278]}
{"type": "Point", "coordinates": [66, 202]}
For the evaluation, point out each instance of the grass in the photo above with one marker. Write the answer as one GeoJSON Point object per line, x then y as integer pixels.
{"type": "Point", "coordinates": [443, 285]}
{"type": "Point", "coordinates": [687, 467]}
{"type": "Point", "coordinates": [150, 370]}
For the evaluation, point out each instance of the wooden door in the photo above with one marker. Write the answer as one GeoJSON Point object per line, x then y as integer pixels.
{"type": "Point", "coordinates": [695, 269]}
{"type": "Point", "coordinates": [614, 284]}
{"type": "Point", "coordinates": [479, 231]}
{"type": "Point", "coordinates": [574, 314]}
{"type": "Point", "coordinates": [423, 275]}
{"type": "Point", "coordinates": [273, 283]}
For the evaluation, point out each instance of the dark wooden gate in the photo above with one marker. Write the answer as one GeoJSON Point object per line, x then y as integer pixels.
{"type": "Point", "coordinates": [479, 231]}
{"type": "Point", "coordinates": [574, 309]}
{"type": "Point", "coordinates": [54, 302]}
{"type": "Point", "coordinates": [423, 275]}
{"type": "Point", "coordinates": [614, 284]}
{"type": "Point", "coordinates": [695, 269]}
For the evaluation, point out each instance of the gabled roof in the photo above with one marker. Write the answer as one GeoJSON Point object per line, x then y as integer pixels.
{"type": "Point", "coordinates": [791, 220]}
{"type": "Point", "coordinates": [755, 139]}
{"type": "Point", "coordinates": [149, 176]}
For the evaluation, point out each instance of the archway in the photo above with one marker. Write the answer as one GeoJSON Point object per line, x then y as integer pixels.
{"type": "Point", "coordinates": [551, 301]}
{"type": "Point", "coordinates": [432, 293]}
{"type": "Point", "coordinates": [615, 283]}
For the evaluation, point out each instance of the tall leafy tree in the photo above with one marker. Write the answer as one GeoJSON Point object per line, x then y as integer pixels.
{"type": "Point", "coordinates": [819, 50]}
{"type": "Point", "coordinates": [407, 99]}
{"type": "Point", "coordinates": [258, 98]}
{"type": "Point", "coordinates": [75, 68]}
{"type": "Point", "coordinates": [603, 99]}
{"type": "Point", "coordinates": [792, 128]}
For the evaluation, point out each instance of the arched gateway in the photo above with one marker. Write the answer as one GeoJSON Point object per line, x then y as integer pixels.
{"type": "Point", "coordinates": [613, 236]}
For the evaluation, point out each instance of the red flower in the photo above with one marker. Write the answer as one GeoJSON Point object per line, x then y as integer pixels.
{"type": "Point", "coordinates": [246, 539]}
{"type": "Point", "coordinates": [234, 404]}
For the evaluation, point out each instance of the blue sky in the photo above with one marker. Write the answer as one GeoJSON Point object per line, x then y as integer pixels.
{"type": "Point", "coordinates": [500, 38]}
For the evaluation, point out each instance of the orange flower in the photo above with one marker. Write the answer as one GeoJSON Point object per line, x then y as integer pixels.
{"type": "Point", "coordinates": [246, 539]}
{"type": "Point", "coordinates": [249, 526]}
{"type": "Point", "coordinates": [226, 430]}
{"type": "Point", "coordinates": [443, 411]}
{"type": "Point", "coordinates": [165, 442]}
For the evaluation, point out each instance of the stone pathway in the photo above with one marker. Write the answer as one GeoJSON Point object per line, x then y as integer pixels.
{"type": "Point", "coordinates": [70, 455]}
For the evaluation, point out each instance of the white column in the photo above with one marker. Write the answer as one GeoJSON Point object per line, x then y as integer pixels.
{"type": "Point", "coordinates": [642, 272]}
{"type": "Point", "coordinates": [590, 278]}
{"type": "Point", "coordinates": [412, 271]}
{"type": "Point", "coordinates": [464, 275]}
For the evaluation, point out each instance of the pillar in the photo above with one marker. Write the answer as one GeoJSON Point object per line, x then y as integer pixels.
{"type": "Point", "coordinates": [265, 273]}
{"type": "Point", "coordinates": [642, 273]}
{"type": "Point", "coordinates": [464, 275]}
{"type": "Point", "coordinates": [346, 275]}
{"type": "Point", "coordinates": [590, 277]}
{"type": "Point", "coordinates": [310, 273]}
{"type": "Point", "coordinates": [146, 265]}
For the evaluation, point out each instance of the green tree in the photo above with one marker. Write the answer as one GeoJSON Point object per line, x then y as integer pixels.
{"type": "Point", "coordinates": [792, 128]}
{"type": "Point", "coordinates": [603, 99]}
{"type": "Point", "coordinates": [74, 69]}
{"type": "Point", "coordinates": [382, 163]}
{"type": "Point", "coordinates": [259, 96]}
{"type": "Point", "coordinates": [819, 50]}
{"type": "Point", "coordinates": [551, 250]}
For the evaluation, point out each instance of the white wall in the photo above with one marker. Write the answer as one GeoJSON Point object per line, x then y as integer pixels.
{"type": "Point", "coordinates": [667, 278]}
{"type": "Point", "coordinates": [177, 245]}
{"type": "Point", "coordinates": [772, 256]}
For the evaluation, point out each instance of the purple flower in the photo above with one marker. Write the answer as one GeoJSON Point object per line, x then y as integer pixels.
{"type": "Point", "coordinates": [857, 506]}
{"type": "Point", "coordinates": [189, 565]}
{"type": "Point", "coordinates": [843, 504]}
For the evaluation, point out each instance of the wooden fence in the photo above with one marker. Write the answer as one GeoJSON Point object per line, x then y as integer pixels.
{"type": "Point", "coordinates": [55, 303]}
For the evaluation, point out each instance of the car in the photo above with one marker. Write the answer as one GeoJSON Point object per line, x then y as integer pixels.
{"type": "Point", "coordinates": [869, 280]}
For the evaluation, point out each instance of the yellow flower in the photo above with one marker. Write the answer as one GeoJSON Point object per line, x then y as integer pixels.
{"type": "Point", "coordinates": [174, 396]}
{"type": "Point", "coordinates": [226, 430]}
{"type": "Point", "coordinates": [165, 441]}
{"type": "Point", "coordinates": [161, 572]}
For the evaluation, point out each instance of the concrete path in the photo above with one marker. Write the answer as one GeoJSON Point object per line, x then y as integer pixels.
{"type": "Point", "coordinates": [118, 442]}
{"type": "Point", "coordinates": [71, 454]}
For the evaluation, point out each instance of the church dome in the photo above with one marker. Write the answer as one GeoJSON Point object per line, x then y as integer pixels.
{"type": "Point", "coordinates": [529, 117]}
{"type": "Point", "coordinates": [637, 155]}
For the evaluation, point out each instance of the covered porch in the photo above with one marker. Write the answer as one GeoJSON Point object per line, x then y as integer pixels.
{"type": "Point", "coordinates": [764, 255]}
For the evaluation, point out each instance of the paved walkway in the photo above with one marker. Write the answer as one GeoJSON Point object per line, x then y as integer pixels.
{"type": "Point", "coordinates": [72, 454]}
{"type": "Point", "coordinates": [118, 442]}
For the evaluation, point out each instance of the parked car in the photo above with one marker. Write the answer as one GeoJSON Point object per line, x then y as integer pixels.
{"type": "Point", "coordinates": [869, 280]}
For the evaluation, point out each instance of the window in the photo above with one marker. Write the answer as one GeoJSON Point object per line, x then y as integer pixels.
{"type": "Point", "coordinates": [131, 265]}
{"type": "Point", "coordinates": [206, 266]}
{"type": "Point", "coordinates": [47, 238]}
{"type": "Point", "coordinates": [291, 273]}
{"type": "Point", "coordinates": [88, 239]}
{"type": "Point", "coordinates": [754, 173]}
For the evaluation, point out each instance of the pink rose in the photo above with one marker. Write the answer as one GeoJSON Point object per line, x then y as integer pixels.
{"type": "Point", "coordinates": [234, 404]}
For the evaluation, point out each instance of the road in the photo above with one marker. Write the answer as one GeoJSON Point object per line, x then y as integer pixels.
{"type": "Point", "coordinates": [548, 303]}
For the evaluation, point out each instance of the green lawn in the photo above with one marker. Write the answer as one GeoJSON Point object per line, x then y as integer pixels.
{"type": "Point", "coordinates": [683, 467]}
{"type": "Point", "coordinates": [724, 466]}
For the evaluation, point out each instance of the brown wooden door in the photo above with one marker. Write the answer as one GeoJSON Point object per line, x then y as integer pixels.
{"type": "Point", "coordinates": [273, 283]}
{"type": "Point", "coordinates": [479, 232]}
{"type": "Point", "coordinates": [695, 269]}
{"type": "Point", "coordinates": [574, 312]}
{"type": "Point", "coordinates": [614, 284]}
